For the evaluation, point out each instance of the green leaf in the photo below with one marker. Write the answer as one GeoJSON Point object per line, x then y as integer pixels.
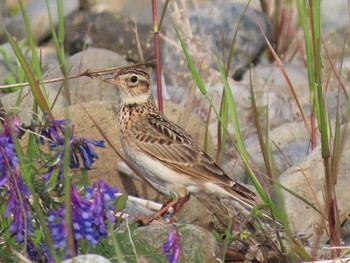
{"type": "Point", "coordinates": [190, 63]}
{"type": "Point", "coordinates": [120, 202]}
{"type": "Point", "coordinates": [34, 86]}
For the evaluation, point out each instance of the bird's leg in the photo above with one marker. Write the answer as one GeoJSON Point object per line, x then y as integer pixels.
{"type": "Point", "coordinates": [162, 211]}
{"type": "Point", "coordinates": [176, 203]}
{"type": "Point", "coordinates": [180, 203]}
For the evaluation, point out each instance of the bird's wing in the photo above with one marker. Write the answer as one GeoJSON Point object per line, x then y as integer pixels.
{"type": "Point", "coordinates": [171, 145]}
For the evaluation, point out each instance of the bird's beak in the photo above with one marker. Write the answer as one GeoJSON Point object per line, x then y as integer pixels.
{"type": "Point", "coordinates": [113, 80]}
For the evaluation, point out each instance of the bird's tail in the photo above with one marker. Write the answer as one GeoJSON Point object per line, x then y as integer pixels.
{"type": "Point", "coordinates": [247, 198]}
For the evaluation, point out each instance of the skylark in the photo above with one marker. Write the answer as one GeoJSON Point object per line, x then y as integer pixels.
{"type": "Point", "coordinates": [162, 151]}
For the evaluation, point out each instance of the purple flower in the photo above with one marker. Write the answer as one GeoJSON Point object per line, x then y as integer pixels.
{"type": "Point", "coordinates": [106, 196]}
{"type": "Point", "coordinates": [10, 125]}
{"type": "Point", "coordinates": [8, 158]}
{"type": "Point", "coordinates": [87, 152]}
{"type": "Point", "coordinates": [39, 253]}
{"type": "Point", "coordinates": [172, 246]}
{"type": "Point", "coordinates": [80, 148]}
{"type": "Point", "coordinates": [17, 206]}
{"type": "Point", "coordinates": [88, 215]}
{"type": "Point", "coordinates": [12, 181]}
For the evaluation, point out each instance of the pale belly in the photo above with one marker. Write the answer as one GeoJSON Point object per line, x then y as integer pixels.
{"type": "Point", "coordinates": [161, 177]}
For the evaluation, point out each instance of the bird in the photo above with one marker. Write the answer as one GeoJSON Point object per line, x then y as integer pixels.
{"type": "Point", "coordinates": [163, 152]}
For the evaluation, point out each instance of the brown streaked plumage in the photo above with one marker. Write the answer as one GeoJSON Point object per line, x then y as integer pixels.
{"type": "Point", "coordinates": [161, 150]}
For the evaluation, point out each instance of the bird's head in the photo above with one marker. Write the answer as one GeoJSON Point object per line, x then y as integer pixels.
{"type": "Point", "coordinates": [134, 84]}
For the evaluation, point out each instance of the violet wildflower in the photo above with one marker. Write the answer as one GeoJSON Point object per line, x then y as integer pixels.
{"type": "Point", "coordinates": [10, 125]}
{"type": "Point", "coordinates": [172, 246]}
{"type": "Point", "coordinates": [88, 215]}
{"type": "Point", "coordinates": [39, 252]}
{"type": "Point", "coordinates": [8, 157]}
{"type": "Point", "coordinates": [107, 194]}
{"type": "Point", "coordinates": [17, 206]}
{"type": "Point", "coordinates": [12, 181]}
{"type": "Point", "coordinates": [80, 148]}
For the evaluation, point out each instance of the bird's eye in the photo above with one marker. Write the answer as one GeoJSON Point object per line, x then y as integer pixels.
{"type": "Point", "coordinates": [133, 79]}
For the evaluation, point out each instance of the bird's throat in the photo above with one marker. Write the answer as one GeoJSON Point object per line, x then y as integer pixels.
{"type": "Point", "coordinates": [138, 100]}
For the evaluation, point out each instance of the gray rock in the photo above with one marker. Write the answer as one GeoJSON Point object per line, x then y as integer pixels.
{"type": "Point", "coordinates": [220, 23]}
{"type": "Point", "coordinates": [334, 16]}
{"type": "Point", "coordinates": [197, 245]}
{"type": "Point", "coordinates": [98, 6]}
{"type": "Point", "coordinates": [95, 30]}
{"type": "Point", "coordinates": [135, 208]}
{"type": "Point", "coordinates": [207, 25]}
{"type": "Point", "coordinates": [89, 258]}
{"type": "Point", "coordinates": [307, 179]}
{"type": "Point", "coordinates": [211, 28]}
{"type": "Point", "coordinates": [271, 87]}
{"type": "Point", "coordinates": [289, 147]}
{"type": "Point", "coordinates": [143, 11]}
{"type": "Point", "coordinates": [335, 26]}
{"type": "Point", "coordinates": [214, 213]}
{"type": "Point", "coordinates": [38, 17]}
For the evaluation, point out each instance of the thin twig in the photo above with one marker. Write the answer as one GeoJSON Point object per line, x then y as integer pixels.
{"type": "Point", "coordinates": [87, 73]}
{"type": "Point", "coordinates": [138, 43]}
{"type": "Point", "coordinates": [157, 55]}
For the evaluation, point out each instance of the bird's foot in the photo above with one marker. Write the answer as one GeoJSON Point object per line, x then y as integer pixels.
{"type": "Point", "coordinates": [177, 204]}
{"type": "Point", "coordinates": [158, 214]}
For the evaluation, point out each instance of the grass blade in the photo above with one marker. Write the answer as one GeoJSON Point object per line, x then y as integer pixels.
{"type": "Point", "coordinates": [34, 86]}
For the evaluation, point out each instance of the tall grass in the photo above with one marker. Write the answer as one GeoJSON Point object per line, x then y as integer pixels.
{"type": "Point", "coordinates": [309, 13]}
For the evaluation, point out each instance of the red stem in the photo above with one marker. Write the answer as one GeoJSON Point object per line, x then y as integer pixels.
{"type": "Point", "coordinates": [157, 55]}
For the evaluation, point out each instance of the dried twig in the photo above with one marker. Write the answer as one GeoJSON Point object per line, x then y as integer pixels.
{"type": "Point", "coordinates": [87, 73]}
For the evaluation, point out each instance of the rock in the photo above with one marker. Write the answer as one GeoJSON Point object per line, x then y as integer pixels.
{"type": "Point", "coordinates": [210, 21]}
{"type": "Point", "coordinates": [106, 167]}
{"type": "Point", "coordinates": [333, 16]}
{"type": "Point", "coordinates": [81, 90]}
{"type": "Point", "coordinates": [216, 24]}
{"type": "Point", "coordinates": [335, 26]}
{"type": "Point", "coordinates": [95, 30]}
{"type": "Point", "coordinates": [98, 6]}
{"type": "Point", "coordinates": [136, 209]}
{"type": "Point", "coordinates": [192, 246]}
{"type": "Point", "coordinates": [88, 258]}
{"type": "Point", "coordinates": [215, 214]}
{"type": "Point", "coordinates": [143, 13]}
{"type": "Point", "coordinates": [38, 17]}
{"type": "Point", "coordinates": [283, 136]}
{"type": "Point", "coordinates": [307, 180]}
{"type": "Point", "coordinates": [271, 87]}
{"type": "Point", "coordinates": [221, 22]}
